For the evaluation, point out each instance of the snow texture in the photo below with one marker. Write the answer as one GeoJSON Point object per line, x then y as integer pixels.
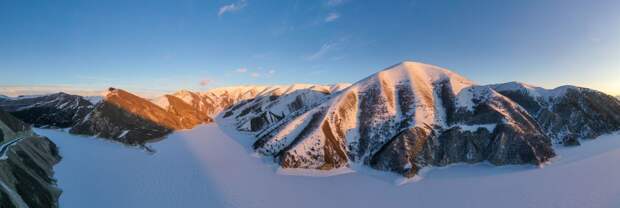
{"type": "Point", "coordinates": [209, 167]}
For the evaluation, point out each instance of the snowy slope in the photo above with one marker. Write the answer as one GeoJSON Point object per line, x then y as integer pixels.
{"type": "Point", "coordinates": [277, 105]}
{"type": "Point", "coordinates": [205, 167]}
{"type": "Point", "coordinates": [566, 113]}
{"type": "Point", "coordinates": [406, 117]}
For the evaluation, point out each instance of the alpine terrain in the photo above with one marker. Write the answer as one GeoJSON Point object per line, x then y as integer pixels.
{"type": "Point", "coordinates": [59, 110]}
{"type": "Point", "coordinates": [567, 113]}
{"type": "Point", "coordinates": [401, 119]}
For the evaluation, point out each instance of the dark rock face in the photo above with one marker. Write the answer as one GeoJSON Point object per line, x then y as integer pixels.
{"type": "Point", "coordinates": [27, 173]}
{"type": "Point", "coordinates": [58, 110]}
{"type": "Point", "coordinates": [13, 124]}
{"type": "Point", "coordinates": [567, 114]}
{"type": "Point", "coordinates": [26, 166]}
{"type": "Point", "coordinates": [520, 142]}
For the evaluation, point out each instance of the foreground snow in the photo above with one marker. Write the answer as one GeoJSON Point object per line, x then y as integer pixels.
{"type": "Point", "coordinates": [204, 167]}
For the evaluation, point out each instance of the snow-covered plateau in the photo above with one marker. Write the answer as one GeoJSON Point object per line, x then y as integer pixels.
{"type": "Point", "coordinates": [212, 166]}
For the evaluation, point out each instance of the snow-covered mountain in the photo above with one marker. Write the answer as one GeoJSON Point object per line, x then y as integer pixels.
{"type": "Point", "coordinates": [54, 110]}
{"type": "Point", "coordinates": [26, 166]}
{"type": "Point", "coordinates": [401, 119]}
{"type": "Point", "coordinates": [566, 113]}
{"type": "Point", "coordinates": [217, 100]}
{"type": "Point", "coordinates": [278, 104]}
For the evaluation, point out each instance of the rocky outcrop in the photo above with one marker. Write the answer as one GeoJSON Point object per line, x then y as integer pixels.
{"type": "Point", "coordinates": [58, 110]}
{"type": "Point", "coordinates": [26, 166]}
{"type": "Point", "coordinates": [567, 113]}
{"type": "Point", "coordinates": [404, 118]}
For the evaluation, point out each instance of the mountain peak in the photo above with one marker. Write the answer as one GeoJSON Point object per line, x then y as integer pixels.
{"type": "Point", "coordinates": [419, 75]}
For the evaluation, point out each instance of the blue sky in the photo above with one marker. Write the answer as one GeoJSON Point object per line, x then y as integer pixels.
{"type": "Point", "coordinates": [171, 45]}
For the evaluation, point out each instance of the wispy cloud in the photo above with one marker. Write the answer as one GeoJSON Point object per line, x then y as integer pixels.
{"type": "Point", "coordinates": [332, 16]}
{"type": "Point", "coordinates": [325, 48]}
{"type": "Point", "coordinates": [232, 7]}
{"type": "Point", "coordinates": [255, 74]}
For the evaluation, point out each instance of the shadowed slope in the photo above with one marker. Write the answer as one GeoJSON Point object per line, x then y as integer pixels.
{"type": "Point", "coordinates": [130, 119]}
{"type": "Point", "coordinates": [566, 113]}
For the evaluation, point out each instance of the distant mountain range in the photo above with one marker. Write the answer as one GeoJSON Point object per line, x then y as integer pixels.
{"type": "Point", "coordinates": [401, 119]}
{"type": "Point", "coordinates": [55, 110]}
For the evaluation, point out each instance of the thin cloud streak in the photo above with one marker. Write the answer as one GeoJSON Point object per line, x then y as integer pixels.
{"type": "Point", "coordinates": [232, 7]}
{"type": "Point", "coordinates": [325, 48]}
{"type": "Point", "coordinates": [333, 16]}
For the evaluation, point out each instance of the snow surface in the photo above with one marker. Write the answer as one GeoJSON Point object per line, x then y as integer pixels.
{"type": "Point", "coordinates": [211, 167]}
{"type": "Point", "coordinates": [473, 128]}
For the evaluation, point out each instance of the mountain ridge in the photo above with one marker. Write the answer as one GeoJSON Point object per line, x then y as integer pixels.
{"type": "Point", "coordinates": [401, 119]}
{"type": "Point", "coordinates": [567, 113]}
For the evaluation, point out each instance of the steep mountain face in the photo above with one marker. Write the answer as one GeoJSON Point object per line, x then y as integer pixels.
{"type": "Point", "coordinates": [26, 166]}
{"type": "Point", "coordinates": [401, 119]}
{"type": "Point", "coordinates": [278, 104]}
{"type": "Point", "coordinates": [566, 113]}
{"type": "Point", "coordinates": [130, 119]}
{"type": "Point", "coordinates": [58, 110]}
